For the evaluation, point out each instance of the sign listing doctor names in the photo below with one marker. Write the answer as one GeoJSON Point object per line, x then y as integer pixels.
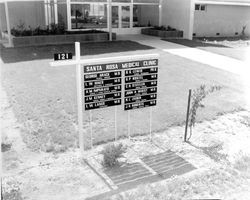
{"type": "Point", "coordinates": [103, 84]}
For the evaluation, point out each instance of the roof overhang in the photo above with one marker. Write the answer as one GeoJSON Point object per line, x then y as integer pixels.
{"type": "Point", "coordinates": [2, 1]}
{"type": "Point", "coordinates": [218, 2]}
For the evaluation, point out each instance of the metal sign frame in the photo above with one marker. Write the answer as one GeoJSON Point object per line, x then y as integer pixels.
{"type": "Point", "coordinates": [80, 63]}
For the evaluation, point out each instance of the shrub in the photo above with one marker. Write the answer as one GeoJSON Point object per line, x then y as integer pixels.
{"type": "Point", "coordinates": [243, 163]}
{"type": "Point", "coordinates": [5, 147]}
{"type": "Point", "coordinates": [53, 29]}
{"type": "Point", "coordinates": [163, 28]}
{"type": "Point", "coordinates": [111, 153]}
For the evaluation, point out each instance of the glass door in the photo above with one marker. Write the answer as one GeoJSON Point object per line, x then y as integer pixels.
{"type": "Point", "coordinates": [125, 13]}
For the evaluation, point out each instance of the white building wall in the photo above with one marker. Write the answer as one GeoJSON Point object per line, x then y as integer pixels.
{"type": "Point", "coordinates": [223, 19]}
{"type": "Point", "coordinates": [179, 14]}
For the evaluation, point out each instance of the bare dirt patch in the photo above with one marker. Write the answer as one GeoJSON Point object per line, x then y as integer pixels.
{"type": "Point", "coordinates": [225, 177]}
{"type": "Point", "coordinates": [65, 175]}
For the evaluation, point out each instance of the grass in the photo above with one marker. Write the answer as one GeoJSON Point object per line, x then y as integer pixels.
{"type": "Point", "coordinates": [44, 98]}
{"type": "Point", "coordinates": [18, 54]}
{"type": "Point", "coordinates": [235, 47]}
{"type": "Point", "coordinates": [11, 190]}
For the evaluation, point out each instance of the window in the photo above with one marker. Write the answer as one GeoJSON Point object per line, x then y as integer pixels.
{"type": "Point", "coordinates": [87, 16]}
{"type": "Point", "coordinates": [200, 7]}
{"type": "Point", "coordinates": [203, 7]}
{"type": "Point", "coordinates": [197, 6]}
{"type": "Point", "coordinates": [145, 15]}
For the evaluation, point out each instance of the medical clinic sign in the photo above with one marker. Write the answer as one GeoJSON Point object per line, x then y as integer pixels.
{"type": "Point", "coordinates": [130, 81]}
{"type": "Point", "coordinates": [103, 84]}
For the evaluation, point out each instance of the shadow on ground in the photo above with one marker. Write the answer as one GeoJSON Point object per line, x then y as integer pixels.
{"type": "Point", "coordinates": [194, 43]}
{"type": "Point", "coordinates": [18, 54]}
{"type": "Point", "coordinates": [212, 151]}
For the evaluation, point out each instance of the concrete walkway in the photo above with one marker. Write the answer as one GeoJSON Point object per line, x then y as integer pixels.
{"type": "Point", "coordinates": [214, 60]}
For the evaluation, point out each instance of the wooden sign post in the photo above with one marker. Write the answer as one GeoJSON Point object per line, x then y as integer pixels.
{"type": "Point", "coordinates": [100, 84]}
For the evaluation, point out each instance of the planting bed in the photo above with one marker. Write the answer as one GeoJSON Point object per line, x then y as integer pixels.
{"type": "Point", "coordinates": [162, 33]}
{"type": "Point", "coordinates": [61, 39]}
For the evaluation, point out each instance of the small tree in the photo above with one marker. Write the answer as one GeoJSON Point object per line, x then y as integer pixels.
{"type": "Point", "coordinates": [197, 97]}
{"type": "Point", "coordinates": [243, 31]}
{"type": "Point", "coordinates": [111, 153]}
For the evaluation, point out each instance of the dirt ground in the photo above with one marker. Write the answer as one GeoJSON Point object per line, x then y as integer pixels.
{"type": "Point", "coordinates": [214, 146]}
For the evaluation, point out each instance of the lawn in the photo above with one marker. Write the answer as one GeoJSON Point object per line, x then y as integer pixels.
{"type": "Point", "coordinates": [44, 98]}
{"type": "Point", "coordinates": [236, 47]}
{"type": "Point", "coordinates": [18, 54]}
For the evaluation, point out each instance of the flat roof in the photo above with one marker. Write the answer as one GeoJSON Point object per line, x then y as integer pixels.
{"type": "Point", "coordinates": [225, 2]}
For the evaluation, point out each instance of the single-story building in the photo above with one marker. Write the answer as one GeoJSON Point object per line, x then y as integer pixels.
{"type": "Point", "coordinates": [200, 18]}
{"type": "Point", "coordinates": [221, 18]}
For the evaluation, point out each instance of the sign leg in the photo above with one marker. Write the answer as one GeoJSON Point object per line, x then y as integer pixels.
{"type": "Point", "coordinates": [91, 129]}
{"type": "Point", "coordinates": [115, 123]}
{"type": "Point", "coordinates": [129, 124]}
{"type": "Point", "coordinates": [150, 124]}
{"type": "Point", "coordinates": [79, 98]}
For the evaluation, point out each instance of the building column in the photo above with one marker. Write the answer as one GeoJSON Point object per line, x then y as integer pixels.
{"type": "Point", "coordinates": [55, 12]}
{"type": "Point", "coordinates": [68, 15]}
{"type": "Point", "coordinates": [46, 12]}
{"type": "Point", "coordinates": [49, 12]}
{"type": "Point", "coordinates": [131, 13]}
{"type": "Point", "coordinates": [8, 23]}
{"type": "Point", "coordinates": [109, 8]}
{"type": "Point", "coordinates": [191, 20]}
{"type": "Point", "coordinates": [119, 17]}
{"type": "Point", "coordinates": [160, 12]}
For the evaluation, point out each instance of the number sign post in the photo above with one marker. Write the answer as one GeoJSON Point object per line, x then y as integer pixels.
{"type": "Point", "coordinates": [100, 85]}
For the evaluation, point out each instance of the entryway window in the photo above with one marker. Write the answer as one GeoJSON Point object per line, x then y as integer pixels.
{"type": "Point", "coordinates": [87, 16]}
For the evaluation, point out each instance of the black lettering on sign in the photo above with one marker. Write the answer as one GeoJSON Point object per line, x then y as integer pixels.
{"type": "Point", "coordinates": [120, 65]}
{"type": "Point", "coordinates": [102, 97]}
{"type": "Point", "coordinates": [139, 105]}
{"type": "Point", "coordinates": [101, 90]}
{"type": "Point", "coordinates": [102, 104]}
{"type": "Point", "coordinates": [63, 56]}
{"type": "Point", "coordinates": [101, 83]}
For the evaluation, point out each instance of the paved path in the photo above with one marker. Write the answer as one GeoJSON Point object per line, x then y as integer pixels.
{"type": "Point", "coordinates": [222, 62]}
{"type": "Point", "coordinates": [214, 60]}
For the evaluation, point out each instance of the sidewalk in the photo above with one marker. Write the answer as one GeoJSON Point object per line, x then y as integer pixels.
{"type": "Point", "coordinates": [221, 62]}
{"type": "Point", "coordinates": [214, 60]}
